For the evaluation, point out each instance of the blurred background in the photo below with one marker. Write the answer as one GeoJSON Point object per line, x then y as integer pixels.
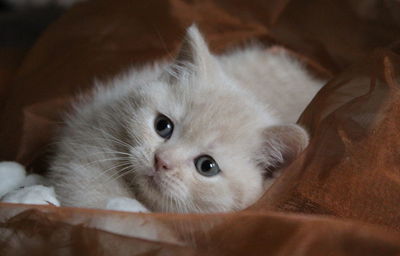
{"type": "Point", "coordinates": [19, 29]}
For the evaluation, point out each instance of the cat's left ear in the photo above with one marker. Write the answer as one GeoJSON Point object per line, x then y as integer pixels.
{"type": "Point", "coordinates": [194, 48]}
{"type": "Point", "coordinates": [282, 144]}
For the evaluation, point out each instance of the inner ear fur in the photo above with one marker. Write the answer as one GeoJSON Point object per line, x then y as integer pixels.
{"type": "Point", "coordinates": [282, 144]}
{"type": "Point", "coordinates": [194, 48]}
{"type": "Point", "coordinates": [193, 55]}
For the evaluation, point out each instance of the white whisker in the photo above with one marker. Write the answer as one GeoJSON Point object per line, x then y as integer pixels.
{"type": "Point", "coordinates": [120, 174]}
{"type": "Point", "coordinates": [105, 172]}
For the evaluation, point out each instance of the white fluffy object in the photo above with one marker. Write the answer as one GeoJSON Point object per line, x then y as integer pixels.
{"type": "Point", "coordinates": [16, 187]}
{"type": "Point", "coordinates": [36, 194]}
{"type": "Point", "coordinates": [12, 176]}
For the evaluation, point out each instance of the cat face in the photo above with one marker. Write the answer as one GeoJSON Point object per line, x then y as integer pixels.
{"type": "Point", "coordinates": [198, 149]}
{"type": "Point", "coordinates": [201, 143]}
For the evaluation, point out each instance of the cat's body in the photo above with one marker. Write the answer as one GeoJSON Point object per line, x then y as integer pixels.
{"type": "Point", "coordinates": [193, 135]}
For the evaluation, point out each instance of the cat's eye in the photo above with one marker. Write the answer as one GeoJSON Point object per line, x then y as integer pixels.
{"type": "Point", "coordinates": [163, 126]}
{"type": "Point", "coordinates": [206, 166]}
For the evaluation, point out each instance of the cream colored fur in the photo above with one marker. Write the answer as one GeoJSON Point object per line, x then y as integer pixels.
{"type": "Point", "coordinates": [236, 108]}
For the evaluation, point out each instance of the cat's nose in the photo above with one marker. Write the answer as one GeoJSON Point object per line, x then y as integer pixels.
{"type": "Point", "coordinates": [160, 164]}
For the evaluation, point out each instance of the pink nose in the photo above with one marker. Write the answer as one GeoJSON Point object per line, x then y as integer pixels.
{"type": "Point", "coordinates": [160, 164]}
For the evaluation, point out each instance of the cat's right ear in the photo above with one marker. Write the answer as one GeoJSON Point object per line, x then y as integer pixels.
{"type": "Point", "coordinates": [282, 144]}
{"type": "Point", "coordinates": [193, 55]}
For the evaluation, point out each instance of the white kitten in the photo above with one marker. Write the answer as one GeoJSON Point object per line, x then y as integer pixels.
{"type": "Point", "coordinates": [187, 136]}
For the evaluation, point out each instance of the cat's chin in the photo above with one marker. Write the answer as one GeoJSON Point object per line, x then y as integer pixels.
{"type": "Point", "coordinates": [153, 183]}
{"type": "Point", "coordinates": [150, 187]}
{"type": "Point", "coordinates": [153, 192]}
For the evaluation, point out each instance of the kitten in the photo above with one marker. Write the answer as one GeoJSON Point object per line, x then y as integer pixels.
{"type": "Point", "coordinates": [189, 136]}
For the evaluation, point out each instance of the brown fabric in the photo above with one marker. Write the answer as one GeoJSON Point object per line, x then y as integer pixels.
{"type": "Point", "coordinates": [350, 168]}
{"type": "Point", "coordinates": [52, 231]}
{"type": "Point", "coordinates": [350, 171]}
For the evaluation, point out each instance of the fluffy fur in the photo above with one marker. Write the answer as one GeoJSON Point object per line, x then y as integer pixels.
{"type": "Point", "coordinates": [232, 107]}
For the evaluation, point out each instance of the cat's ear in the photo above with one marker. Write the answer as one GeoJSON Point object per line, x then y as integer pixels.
{"type": "Point", "coordinates": [193, 54]}
{"type": "Point", "coordinates": [194, 48]}
{"type": "Point", "coordinates": [282, 144]}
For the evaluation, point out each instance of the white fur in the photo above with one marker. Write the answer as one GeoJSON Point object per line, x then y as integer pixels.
{"type": "Point", "coordinates": [277, 79]}
{"type": "Point", "coordinates": [220, 106]}
{"type": "Point", "coordinates": [125, 204]}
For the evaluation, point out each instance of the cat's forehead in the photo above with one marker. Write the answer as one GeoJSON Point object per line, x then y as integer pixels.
{"type": "Point", "coordinates": [215, 117]}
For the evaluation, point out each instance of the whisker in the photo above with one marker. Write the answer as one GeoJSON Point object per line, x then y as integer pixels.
{"type": "Point", "coordinates": [110, 169]}
{"type": "Point", "coordinates": [120, 174]}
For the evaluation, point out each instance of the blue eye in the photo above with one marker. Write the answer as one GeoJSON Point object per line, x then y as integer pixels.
{"type": "Point", "coordinates": [163, 126]}
{"type": "Point", "coordinates": [206, 166]}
